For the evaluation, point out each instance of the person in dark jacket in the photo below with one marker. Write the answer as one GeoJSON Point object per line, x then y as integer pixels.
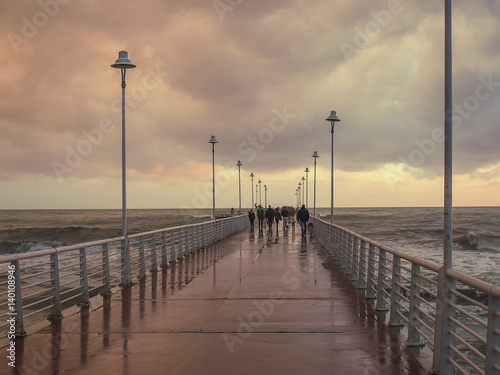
{"type": "Point", "coordinates": [303, 218]}
{"type": "Point", "coordinates": [277, 216]}
{"type": "Point", "coordinates": [285, 214]}
{"type": "Point", "coordinates": [251, 217]}
{"type": "Point", "coordinates": [270, 217]}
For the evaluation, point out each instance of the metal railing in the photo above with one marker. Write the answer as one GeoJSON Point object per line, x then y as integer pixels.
{"type": "Point", "coordinates": [455, 315]}
{"type": "Point", "coordinates": [42, 284]}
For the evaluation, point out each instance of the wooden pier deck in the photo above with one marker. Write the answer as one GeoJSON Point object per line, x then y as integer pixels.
{"type": "Point", "coordinates": [250, 304]}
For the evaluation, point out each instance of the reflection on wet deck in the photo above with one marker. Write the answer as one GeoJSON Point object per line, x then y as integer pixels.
{"type": "Point", "coordinates": [251, 304]}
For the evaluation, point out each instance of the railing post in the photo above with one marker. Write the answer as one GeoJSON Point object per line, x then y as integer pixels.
{"type": "Point", "coordinates": [394, 318]}
{"type": "Point", "coordinates": [355, 258]}
{"type": "Point", "coordinates": [84, 280]}
{"type": "Point", "coordinates": [350, 254]}
{"type": "Point", "coordinates": [154, 262]}
{"type": "Point", "coordinates": [343, 253]}
{"type": "Point", "coordinates": [414, 312]}
{"type": "Point", "coordinates": [370, 274]}
{"type": "Point", "coordinates": [164, 258]}
{"type": "Point", "coordinates": [173, 257]}
{"type": "Point", "coordinates": [193, 240]}
{"type": "Point", "coordinates": [142, 263]}
{"type": "Point", "coordinates": [126, 271]}
{"type": "Point", "coordinates": [382, 262]}
{"type": "Point", "coordinates": [180, 252]}
{"type": "Point", "coordinates": [106, 290]}
{"type": "Point", "coordinates": [492, 337]}
{"type": "Point", "coordinates": [198, 238]}
{"type": "Point", "coordinates": [443, 340]}
{"type": "Point", "coordinates": [55, 311]}
{"type": "Point", "coordinates": [362, 266]}
{"type": "Point", "coordinates": [18, 304]}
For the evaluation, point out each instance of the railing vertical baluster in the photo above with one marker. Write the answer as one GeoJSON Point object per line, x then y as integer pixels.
{"type": "Point", "coordinates": [164, 256]}
{"type": "Point", "coordinates": [414, 312]}
{"type": "Point", "coordinates": [106, 276]}
{"type": "Point", "coordinates": [142, 263]}
{"type": "Point", "coordinates": [355, 258]}
{"type": "Point", "coordinates": [382, 262]}
{"type": "Point", "coordinates": [492, 337]}
{"type": "Point", "coordinates": [394, 318]}
{"type": "Point", "coordinates": [443, 340]}
{"type": "Point", "coordinates": [362, 265]}
{"type": "Point", "coordinates": [173, 257]}
{"type": "Point", "coordinates": [84, 279]}
{"type": "Point", "coordinates": [126, 267]}
{"type": "Point", "coordinates": [370, 275]}
{"type": "Point", "coordinates": [193, 239]}
{"type": "Point", "coordinates": [154, 262]}
{"type": "Point", "coordinates": [344, 253]}
{"type": "Point", "coordinates": [20, 332]}
{"type": "Point", "coordinates": [181, 243]}
{"type": "Point", "coordinates": [350, 255]}
{"type": "Point", "coordinates": [198, 237]}
{"type": "Point", "coordinates": [55, 311]}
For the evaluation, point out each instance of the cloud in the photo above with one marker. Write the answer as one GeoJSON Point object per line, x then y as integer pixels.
{"type": "Point", "coordinates": [232, 71]}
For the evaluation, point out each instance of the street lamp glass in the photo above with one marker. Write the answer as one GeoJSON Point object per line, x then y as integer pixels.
{"type": "Point", "coordinates": [213, 140]}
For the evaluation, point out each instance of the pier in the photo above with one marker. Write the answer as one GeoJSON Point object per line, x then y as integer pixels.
{"type": "Point", "coordinates": [249, 304]}
{"type": "Point", "coordinates": [218, 297]}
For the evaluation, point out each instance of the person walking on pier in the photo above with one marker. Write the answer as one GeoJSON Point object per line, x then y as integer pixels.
{"type": "Point", "coordinates": [303, 218]}
{"type": "Point", "coordinates": [261, 213]}
{"type": "Point", "coordinates": [251, 217]}
{"type": "Point", "coordinates": [285, 214]}
{"type": "Point", "coordinates": [270, 217]}
{"type": "Point", "coordinates": [277, 217]}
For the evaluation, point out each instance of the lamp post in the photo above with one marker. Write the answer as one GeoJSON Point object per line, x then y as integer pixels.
{"type": "Point", "coordinates": [300, 187]}
{"type": "Point", "coordinates": [333, 119]}
{"type": "Point", "coordinates": [239, 183]}
{"type": "Point", "coordinates": [213, 141]}
{"type": "Point", "coordinates": [307, 187]}
{"type": "Point", "coordinates": [265, 195]}
{"type": "Point", "coordinates": [260, 192]}
{"type": "Point", "coordinates": [296, 197]}
{"type": "Point", "coordinates": [252, 175]}
{"type": "Point", "coordinates": [123, 63]}
{"type": "Point", "coordinates": [303, 190]}
{"type": "Point", "coordinates": [315, 156]}
{"type": "Point", "coordinates": [442, 353]}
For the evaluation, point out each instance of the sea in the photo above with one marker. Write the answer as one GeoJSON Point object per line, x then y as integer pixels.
{"type": "Point", "coordinates": [414, 230]}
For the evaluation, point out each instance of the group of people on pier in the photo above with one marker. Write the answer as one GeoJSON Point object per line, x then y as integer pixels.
{"type": "Point", "coordinates": [289, 215]}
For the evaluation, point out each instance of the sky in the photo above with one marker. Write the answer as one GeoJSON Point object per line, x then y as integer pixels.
{"type": "Point", "coordinates": [262, 76]}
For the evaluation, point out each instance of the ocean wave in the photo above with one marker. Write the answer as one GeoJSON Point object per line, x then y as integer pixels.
{"type": "Point", "coordinates": [14, 247]}
{"type": "Point", "coordinates": [478, 241]}
{"type": "Point", "coordinates": [200, 216]}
